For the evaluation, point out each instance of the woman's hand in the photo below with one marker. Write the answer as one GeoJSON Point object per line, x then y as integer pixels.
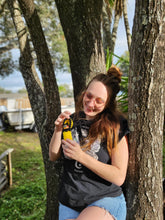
{"type": "Point", "coordinates": [55, 143]}
{"type": "Point", "coordinates": [59, 121]}
{"type": "Point", "coordinates": [72, 149]}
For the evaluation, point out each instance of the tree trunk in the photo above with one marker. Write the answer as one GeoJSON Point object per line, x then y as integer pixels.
{"type": "Point", "coordinates": [106, 26]}
{"type": "Point", "coordinates": [45, 104]}
{"type": "Point", "coordinates": [114, 31]}
{"type": "Point", "coordinates": [81, 22]}
{"type": "Point", "coordinates": [126, 23]}
{"type": "Point", "coordinates": [146, 112]}
{"type": "Point", "coordinates": [118, 13]}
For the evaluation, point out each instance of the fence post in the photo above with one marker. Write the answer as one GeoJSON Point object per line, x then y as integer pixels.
{"type": "Point", "coordinates": [9, 166]}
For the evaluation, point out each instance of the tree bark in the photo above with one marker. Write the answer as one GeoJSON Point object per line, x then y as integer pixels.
{"type": "Point", "coordinates": [81, 22]}
{"type": "Point", "coordinates": [146, 112]}
{"type": "Point", "coordinates": [126, 23]}
{"type": "Point", "coordinates": [114, 32]}
{"type": "Point", "coordinates": [118, 14]}
{"type": "Point", "coordinates": [106, 26]}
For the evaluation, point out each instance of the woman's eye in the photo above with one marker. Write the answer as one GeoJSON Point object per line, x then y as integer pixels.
{"type": "Point", "coordinates": [99, 101]}
{"type": "Point", "coordinates": [89, 96]}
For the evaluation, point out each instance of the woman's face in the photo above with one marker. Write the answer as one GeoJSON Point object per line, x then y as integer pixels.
{"type": "Point", "coordinates": [94, 99]}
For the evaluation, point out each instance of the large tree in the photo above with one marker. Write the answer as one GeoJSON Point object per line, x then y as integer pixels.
{"type": "Point", "coordinates": [146, 111]}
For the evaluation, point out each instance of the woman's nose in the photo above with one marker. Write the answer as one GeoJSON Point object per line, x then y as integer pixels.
{"type": "Point", "coordinates": [91, 102]}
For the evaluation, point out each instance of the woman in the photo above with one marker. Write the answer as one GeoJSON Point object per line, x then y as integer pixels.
{"type": "Point", "coordinates": [95, 160]}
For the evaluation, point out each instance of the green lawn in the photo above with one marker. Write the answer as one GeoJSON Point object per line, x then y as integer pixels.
{"type": "Point", "coordinates": [27, 197]}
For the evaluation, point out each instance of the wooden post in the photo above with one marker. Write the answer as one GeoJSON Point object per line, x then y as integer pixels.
{"type": "Point", "coordinates": [9, 165]}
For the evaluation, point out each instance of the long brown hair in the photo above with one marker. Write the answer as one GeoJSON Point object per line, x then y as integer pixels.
{"type": "Point", "coordinates": [106, 124]}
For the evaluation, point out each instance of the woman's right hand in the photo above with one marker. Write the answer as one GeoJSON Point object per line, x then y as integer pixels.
{"type": "Point", "coordinates": [60, 119]}
{"type": "Point", "coordinates": [55, 143]}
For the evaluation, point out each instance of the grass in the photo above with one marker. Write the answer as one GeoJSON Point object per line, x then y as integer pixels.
{"type": "Point", "coordinates": [27, 197]}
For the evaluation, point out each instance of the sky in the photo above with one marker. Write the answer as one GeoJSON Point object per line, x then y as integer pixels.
{"type": "Point", "coordinates": [14, 82]}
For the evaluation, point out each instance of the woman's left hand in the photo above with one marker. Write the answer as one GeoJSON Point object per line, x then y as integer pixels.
{"type": "Point", "coordinates": [72, 149]}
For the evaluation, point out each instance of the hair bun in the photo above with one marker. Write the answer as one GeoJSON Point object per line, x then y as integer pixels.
{"type": "Point", "coordinates": [115, 72]}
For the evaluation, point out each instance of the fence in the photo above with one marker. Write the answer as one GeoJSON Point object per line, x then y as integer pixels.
{"type": "Point", "coordinates": [5, 169]}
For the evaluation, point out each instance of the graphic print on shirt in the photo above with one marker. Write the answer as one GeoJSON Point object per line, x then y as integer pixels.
{"type": "Point", "coordinates": [95, 147]}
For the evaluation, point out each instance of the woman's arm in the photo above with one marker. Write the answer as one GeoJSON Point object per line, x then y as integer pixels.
{"type": "Point", "coordinates": [55, 143]}
{"type": "Point", "coordinates": [114, 173]}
